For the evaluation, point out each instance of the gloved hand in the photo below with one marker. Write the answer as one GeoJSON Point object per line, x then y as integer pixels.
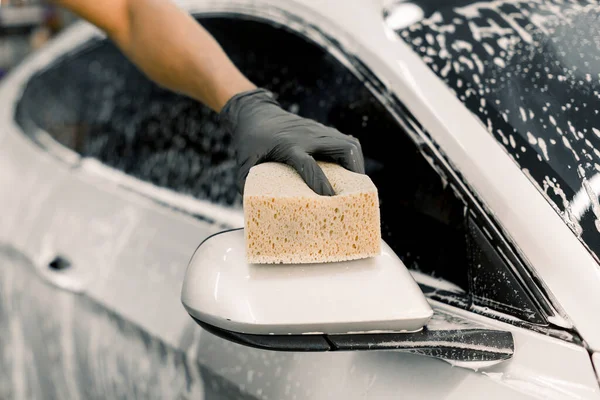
{"type": "Point", "coordinates": [262, 131]}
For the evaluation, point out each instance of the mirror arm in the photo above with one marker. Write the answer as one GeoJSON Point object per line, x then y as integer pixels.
{"type": "Point", "coordinates": [463, 345]}
{"type": "Point", "coordinates": [457, 345]}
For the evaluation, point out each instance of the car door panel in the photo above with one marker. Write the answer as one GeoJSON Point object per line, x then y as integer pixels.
{"type": "Point", "coordinates": [56, 344]}
{"type": "Point", "coordinates": [27, 177]}
{"type": "Point", "coordinates": [108, 325]}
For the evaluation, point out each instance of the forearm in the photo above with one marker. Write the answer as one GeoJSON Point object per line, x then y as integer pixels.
{"type": "Point", "coordinates": [168, 45]}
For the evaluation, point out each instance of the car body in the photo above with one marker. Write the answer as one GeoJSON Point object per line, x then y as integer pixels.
{"type": "Point", "coordinates": [109, 183]}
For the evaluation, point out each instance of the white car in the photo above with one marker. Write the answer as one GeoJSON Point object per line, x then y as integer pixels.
{"type": "Point", "coordinates": [479, 124]}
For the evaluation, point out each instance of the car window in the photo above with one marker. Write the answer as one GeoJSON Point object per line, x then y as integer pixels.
{"type": "Point", "coordinates": [530, 72]}
{"type": "Point", "coordinates": [494, 282]}
{"type": "Point", "coordinates": [97, 103]}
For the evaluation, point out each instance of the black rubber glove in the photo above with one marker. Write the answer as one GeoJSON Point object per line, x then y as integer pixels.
{"type": "Point", "coordinates": [262, 131]}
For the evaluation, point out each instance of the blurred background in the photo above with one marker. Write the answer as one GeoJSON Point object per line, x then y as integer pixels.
{"type": "Point", "coordinates": [26, 28]}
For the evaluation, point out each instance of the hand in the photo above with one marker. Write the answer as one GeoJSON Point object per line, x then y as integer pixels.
{"type": "Point", "coordinates": [262, 131]}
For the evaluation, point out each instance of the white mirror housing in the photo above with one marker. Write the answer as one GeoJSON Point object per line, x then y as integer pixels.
{"type": "Point", "coordinates": [370, 295]}
{"type": "Point", "coordinates": [369, 304]}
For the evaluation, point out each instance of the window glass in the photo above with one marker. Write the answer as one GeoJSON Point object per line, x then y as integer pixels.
{"type": "Point", "coordinates": [530, 71]}
{"type": "Point", "coordinates": [492, 282]}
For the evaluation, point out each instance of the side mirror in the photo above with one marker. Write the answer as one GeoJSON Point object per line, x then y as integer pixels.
{"type": "Point", "coordinates": [364, 304]}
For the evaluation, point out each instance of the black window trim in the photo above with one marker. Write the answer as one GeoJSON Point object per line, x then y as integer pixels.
{"type": "Point", "coordinates": [510, 255]}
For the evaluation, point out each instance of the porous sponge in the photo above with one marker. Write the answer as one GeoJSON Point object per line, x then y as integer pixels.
{"type": "Point", "coordinates": [287, 222]}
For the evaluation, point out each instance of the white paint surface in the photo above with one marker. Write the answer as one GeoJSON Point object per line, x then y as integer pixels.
{"type": "Point", "coordinates": [376, 293]}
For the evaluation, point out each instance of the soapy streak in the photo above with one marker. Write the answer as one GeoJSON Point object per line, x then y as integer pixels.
{"type": "Point", "coordinates": [474, 365]}
{"type": "Point", "coordinates": [584, 198]}
{"type": "Point", "coordinates": [593, 197]}
{"type": "Point", "coordinates": [435, 282]}
{"type": "Point", "coordinates": [439, 344]}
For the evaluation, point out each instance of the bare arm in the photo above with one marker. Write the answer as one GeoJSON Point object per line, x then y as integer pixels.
{"type": "Point", "coordinates": [168, 45]}
{"type": "Point", "coordinates": [173, 50]}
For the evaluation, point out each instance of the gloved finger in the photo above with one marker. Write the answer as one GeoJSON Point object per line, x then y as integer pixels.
{"type": "Point", "coordinates": [310, 172]}
{"type": "Point", "coordinates": [357, 143]}
{"type": "Point", "coordinates": [351, 139]}
{"type": "Point", "coordinates": [243, 170]}
{"type": "Point", "coordinates": [343, 151]}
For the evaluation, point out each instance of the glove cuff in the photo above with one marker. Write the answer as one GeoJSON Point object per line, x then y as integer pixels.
{"type": "Point", "coordinates": [230, 112]}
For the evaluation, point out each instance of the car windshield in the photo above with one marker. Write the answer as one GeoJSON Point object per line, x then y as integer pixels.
{"type": "Point", "coordinates": [530, 71]}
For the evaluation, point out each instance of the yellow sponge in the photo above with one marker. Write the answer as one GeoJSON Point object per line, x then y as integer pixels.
{"type": "Point", "coordinates": [287, 222]}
